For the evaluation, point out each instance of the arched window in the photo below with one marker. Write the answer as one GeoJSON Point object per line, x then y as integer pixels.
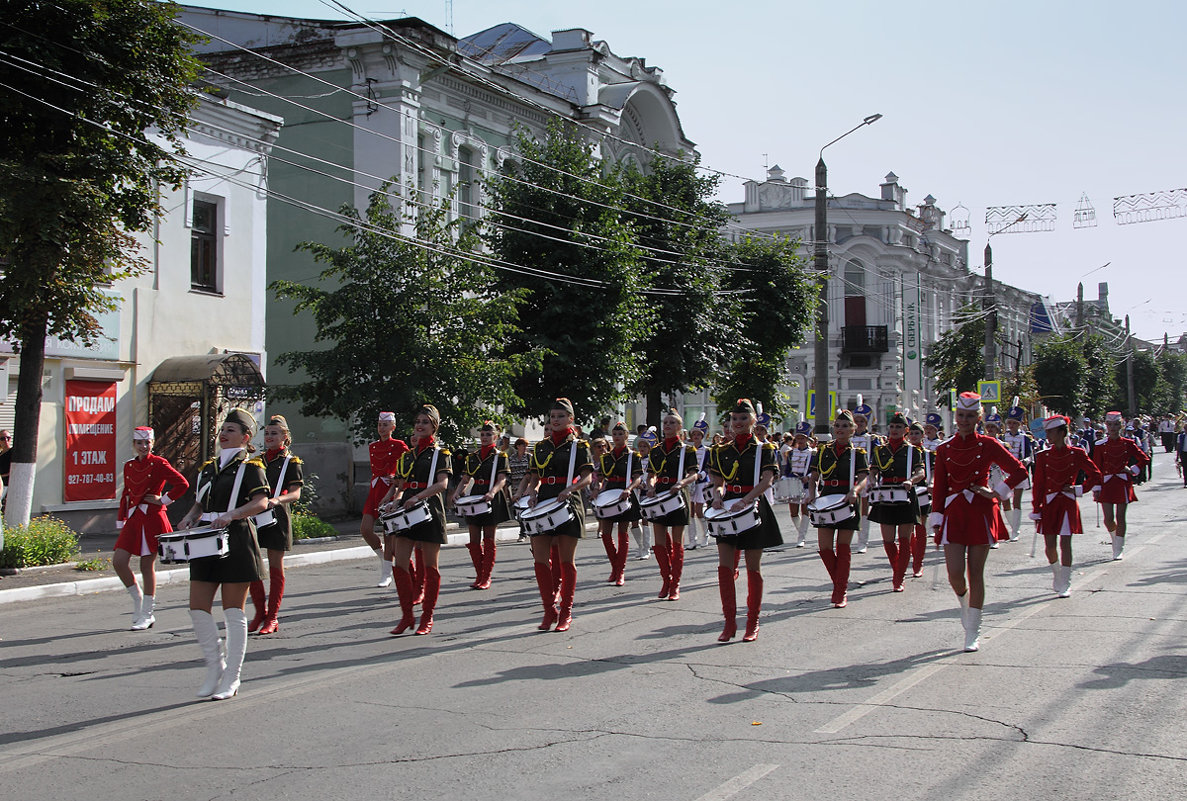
{"type": "Point", "coordinates": [466, 191]}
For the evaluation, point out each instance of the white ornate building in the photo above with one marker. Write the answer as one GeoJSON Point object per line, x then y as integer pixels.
{"type": "Point", "coordinates": [898, 276]}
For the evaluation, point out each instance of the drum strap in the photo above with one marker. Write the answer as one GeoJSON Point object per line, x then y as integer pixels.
{"type": "Point", "coordinates": [284, 468]}
{"type": "Point", "coordinates": [238, 484]}
{"type": "Point", "coordinates": [680, 465]}
{"type": "Point", "coordinates": [757, 461]}
{"type": "Point", "coordinates": [852, 466]}
{"type": "Point", "coordinates": [910, 453]}
{"type": "Point", "coordinates": [630, 461]}
{"type": "Point", "coordinates": [572, 460]}
{"type": "Point", "coordinates": [494, 467]}
{"type": "Point", "coordinates": [433, 467]}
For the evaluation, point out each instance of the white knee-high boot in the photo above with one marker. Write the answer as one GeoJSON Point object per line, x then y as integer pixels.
{"type": "Point", "coordinates": [236, 622]}
{"type": "Point", "coordinates": [146, 619]}
{"type": "Point", "coordinates": [972, 629]}
{"type": "Point", "coordinates": [1015, 524]}
{"type": "Point", "coordinates": [137, 597]}
{"type": "Point", "coordinates": [1118, 547]}
{"type": "Point", "coordinates": [385, 569]}
{"type": "Point", "coordinates": [801, 527]}
{"type": "Point", "coordinates": [207, 633]}
{"type": "Point", "coordinates": [863, 535]}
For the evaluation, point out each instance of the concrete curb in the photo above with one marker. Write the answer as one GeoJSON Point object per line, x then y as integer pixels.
{"type": "Point", "coordinates": [182, 575]}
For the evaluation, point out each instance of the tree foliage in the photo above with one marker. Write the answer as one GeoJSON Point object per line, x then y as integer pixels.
{"type": "Point", "coordinates": [580, 298]}
{"type": "Point", "coordinates": [1060, 371]}
{"type": "Point", "coordinates": [773, 309]}
{"type": "Point", "coordinates": [957, 358]}
{"type": "Point", "coordinates": [683, 251]}
{"type": "Point", "coordinates": [405, 325]}
{"type": "Point", "coordinates": [1173, 367]}
{"type": "Point", "coordinates": [1100, 382]}
{"type": "Point", "coordinates": [85, 82]}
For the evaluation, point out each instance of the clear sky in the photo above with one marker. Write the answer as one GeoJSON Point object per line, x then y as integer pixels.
{"type": "Point", "coordinates": [984, 104]}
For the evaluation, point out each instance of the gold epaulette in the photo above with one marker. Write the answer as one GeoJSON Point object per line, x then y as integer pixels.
{"type": "Point", "coordinates": [258, 462]}
{"type": "Point", "coordinates": [296, 459]}
{"type": "Point", "coordinates": [768, 446]}
{"type": "Point", "coordinates": [206, 464]}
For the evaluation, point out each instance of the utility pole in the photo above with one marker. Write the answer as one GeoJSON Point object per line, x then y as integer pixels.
{"type": "Point", "coordinates": [990, 318]}
{"type": "Point", "coordinates": [1133, 406]}
{"type": "Point", "coordinates": [1080, 307]}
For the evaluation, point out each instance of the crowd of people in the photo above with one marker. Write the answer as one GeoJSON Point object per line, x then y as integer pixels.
{"type": "Point", "coordinates": [672, 489]}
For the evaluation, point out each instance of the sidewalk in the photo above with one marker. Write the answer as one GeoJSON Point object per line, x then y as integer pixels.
{"type": "Point", "coordinates": [63, 580]}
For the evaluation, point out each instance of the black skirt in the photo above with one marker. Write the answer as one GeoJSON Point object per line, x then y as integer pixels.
{"type": "Point", "coordinates": [431, 530]}
{"type": "Point", "coordinates": [279, 535]}
{"type": "Point", "coordinates": [631, 515]}
{"type": "Point", "coordinates": [499, 513]}
{"type": "Point", "coordinates": [574, 526]}
{"type": "Point", "coordinates": [243, 563]}
{"type": "Point", "coordinates": [848, 524]}
{"type": "Point", "coordinates": [678, 517]}
{"type": "Point", "coordinates": [897, 514]}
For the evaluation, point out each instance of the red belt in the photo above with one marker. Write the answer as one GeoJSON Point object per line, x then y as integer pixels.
{"type": "Point", "coordinates": [616, 480]}
{"type": "Point", "coordinates": [415, 485]}
{"type": "Point", "coordinates": [835, 483]}
{"type": "Point", "coordinates": [481, 481]}
{"type": "Point", "coordinates": [738, 487]}
{"type": "Point", "coordinates": [666, 480]}
{"type": "Point", "coordinates": [556, 480]}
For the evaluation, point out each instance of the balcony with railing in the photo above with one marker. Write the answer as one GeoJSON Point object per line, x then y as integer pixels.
{"type": "Point", "coordinates": [864, 339]}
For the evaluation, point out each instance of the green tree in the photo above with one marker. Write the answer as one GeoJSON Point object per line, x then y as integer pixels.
{"type": "Point", "coordinates": [1146, 384]}
{"type": "Point", "coordinates": [772, 301]}
{"type": "Point", "coordinates": [1060, 371]}
{"type": "Point", "coordinates": [84, 82]}
{"type": "Point", "coordinates": [957, 358]}
{"type": "Point", "coordinates": [1100, 384]}
{"type": "Point", "coordinates": [1173, 367]}
{"type": "Point", "coordinates": [580, 297]}
{"type": "Point", "coordinates": [683, 251]}
{"type": "Point", "coordinates": [405, 325]}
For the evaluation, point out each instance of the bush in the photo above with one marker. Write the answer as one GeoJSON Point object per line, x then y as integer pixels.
{"type": "Point", "coordinates": [307, 526]}
{"type": "Point", "coordinates": [45, 541]}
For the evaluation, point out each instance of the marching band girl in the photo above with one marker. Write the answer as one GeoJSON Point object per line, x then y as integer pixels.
{"type": "Point", "coordinates": [698, 535]}
{"type": "Point", "coordinates": [484, 473]}
{"type": "Point", "coordinates": [742, 471]}
{"type": "Point", "coordinates": [560, 470]}
{"type": "Point", "coordinates": [1119, 460]}
{"type": "Point", "coordinates": [231, 489]}
{"type": "Point", "coordinates": [898, 465]}
{"type": "Point", "coordinates": [864, 441]}
{"type": "Point", "coordinates": [672, 467]}
{"type": "Point", "coordinates": [285, 478]}
{"type": "Point", "coordinates": [1056, 490]}
{"type": "Point", "coordinates": [422, 474]}
{"type": "Point", "coordinates": [801, 461]}
{"type": "Point", "coordinates": [641, 529]}
{"type": "Point", "coordinates": [1021, 444]}
{"type": "Point", "coordinates": [915, 435]}
{"type": "Point", "coordinates": [965, 515]}
{"type": "Point", "coordinates": [383, 453]}
{"type": "Point", "coordinates": [141, 519]}
{"type": "Point", "coordinates": [621, 471]}
{"type": "Point", "coordinates": [842, 469]}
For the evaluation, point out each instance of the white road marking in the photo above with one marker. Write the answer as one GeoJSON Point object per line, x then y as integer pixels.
{"type": "Point", "coordinates": [737, 784]}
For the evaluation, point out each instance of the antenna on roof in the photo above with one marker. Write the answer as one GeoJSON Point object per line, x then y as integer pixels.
{"type": "Point", "coordinates": [449, 17]}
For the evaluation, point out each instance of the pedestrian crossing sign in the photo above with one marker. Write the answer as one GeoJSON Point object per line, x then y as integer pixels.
{"type": "Point", "coordinates": [990, 391]}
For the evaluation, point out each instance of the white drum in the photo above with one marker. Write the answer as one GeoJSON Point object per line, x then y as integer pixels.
{"type": "Point", "coordinates": [546, 516]}
{"type": "Point", "coordinates": [662, 505]}
{"type": "Point", "coordinates": [265, 518]}
{"type": "Point", "coordinates": [828, 510]}
{"type": "Point", "coordinates": [724, 523]}
{"type": "Point", "coordinates": [610, 503]}
{"type": "Point", "coordinates": [702, 492]}
{"type": "Point", "coordinates": [193, 543]}
{"type": "Point", "coordinates": [402, 519]}
{"type": "Point", "coordinates": [790, 489]}
{"type": "Point", "coordinates": [922, 495]}
{"type": "Point", "coordinates": [472, 505]}
{"type": "Point", "coordinates": [892, 495]}
{"type": "Point", "coordinates": [521, 506]}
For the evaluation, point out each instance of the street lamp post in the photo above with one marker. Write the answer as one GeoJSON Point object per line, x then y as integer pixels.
{"type": "Point", "coordinates": [820, 384]}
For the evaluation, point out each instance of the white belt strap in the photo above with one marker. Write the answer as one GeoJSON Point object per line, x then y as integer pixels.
{"type": "Point", "coordinates": [280, 479]}
{"type": "Point", "coordinates": [572, 460]}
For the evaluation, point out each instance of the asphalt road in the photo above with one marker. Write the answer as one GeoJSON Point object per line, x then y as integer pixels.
{"type": "Point", "coordinates": [1068, 698]}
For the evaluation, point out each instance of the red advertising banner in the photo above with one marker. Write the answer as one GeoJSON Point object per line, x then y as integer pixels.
{"type": "Point", "coordinates": [90, 441]}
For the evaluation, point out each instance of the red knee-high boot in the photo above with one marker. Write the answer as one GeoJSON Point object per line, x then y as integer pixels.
{"type": "Point", "coordinates": [662, 560]}
{"type": "Point", "coordinates": [918, 550]}
{"type": "Point", "coordinates": [554, 556]}
{"type": "Point", "coordinates": [275, 594]}
{"type": "Point", "coordinates": [432, 590]}
{"type": "Point", "coordinates": [729, 602]}
{"type": "Point", "coordinates": [901, 565]}
{"type": "Point", "coordinates": [677, 567]}
{"type": "Point", "coordinates": [547, 594]}
{"type": "Point", "coordinates": [753, 604]}
{"type": "Point", "coordinates": [418, 576]}
{"type": "Point", "coordinates": [737, 561]}
{"type": "Point", "coordinates": [829, 557]}
{"type": "Point", "coordinates": [488, 563]}
{"type": "Point", "coordinates": [841, 576]}
{"type": "Point", "coordinates": [406, 593]}
{"type": "Point", "coordinates": [624, 550]}
{"type": "Point", "coordinates": [260, 602]}
{"type": "Point", "coordinates": [611, 554]}
{"type": "Point", "coordinates": [475, 549]}
{"type": "Point", "coordinates": [892, 554]}
{"type": "Point", "coordinates": [568, 590]}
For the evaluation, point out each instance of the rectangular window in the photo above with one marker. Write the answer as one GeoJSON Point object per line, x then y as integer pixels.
{"type": "Point", "coordinates": [204, 247]}
{"type": "Point", "coordinates": [467, 191]}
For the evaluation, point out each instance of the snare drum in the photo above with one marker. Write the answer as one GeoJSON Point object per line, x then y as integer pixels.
{"type": "Point", "coordinates": [610, 503]}
{"type": "Point", "coordinates": [662, 505]}
{"type": "Point", "coordinates": [724, 523]}
{"type": "Point", "coordinates": [193, 543]}
{"type": "Point", "coordinates": [265, 518]}
{"type": "Point", "coordinates": [828, 510]}
{"type": "Point", "coordinates": [473, 505]}
{"type": "Point", "coordinates": [402, 519]}
{"type": "Point", "coordinates": [789, 489]}
{"type": "Point", "coordinates": [546, 516]}
{"type": "Point", "coordinates": [922, 495]}
{"type": "Point", "coordinates": [892, 495]}
{"type": "Point", "coordinates": [702, 493]}
{"type": "Point", "coordinates": [521, 506]}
